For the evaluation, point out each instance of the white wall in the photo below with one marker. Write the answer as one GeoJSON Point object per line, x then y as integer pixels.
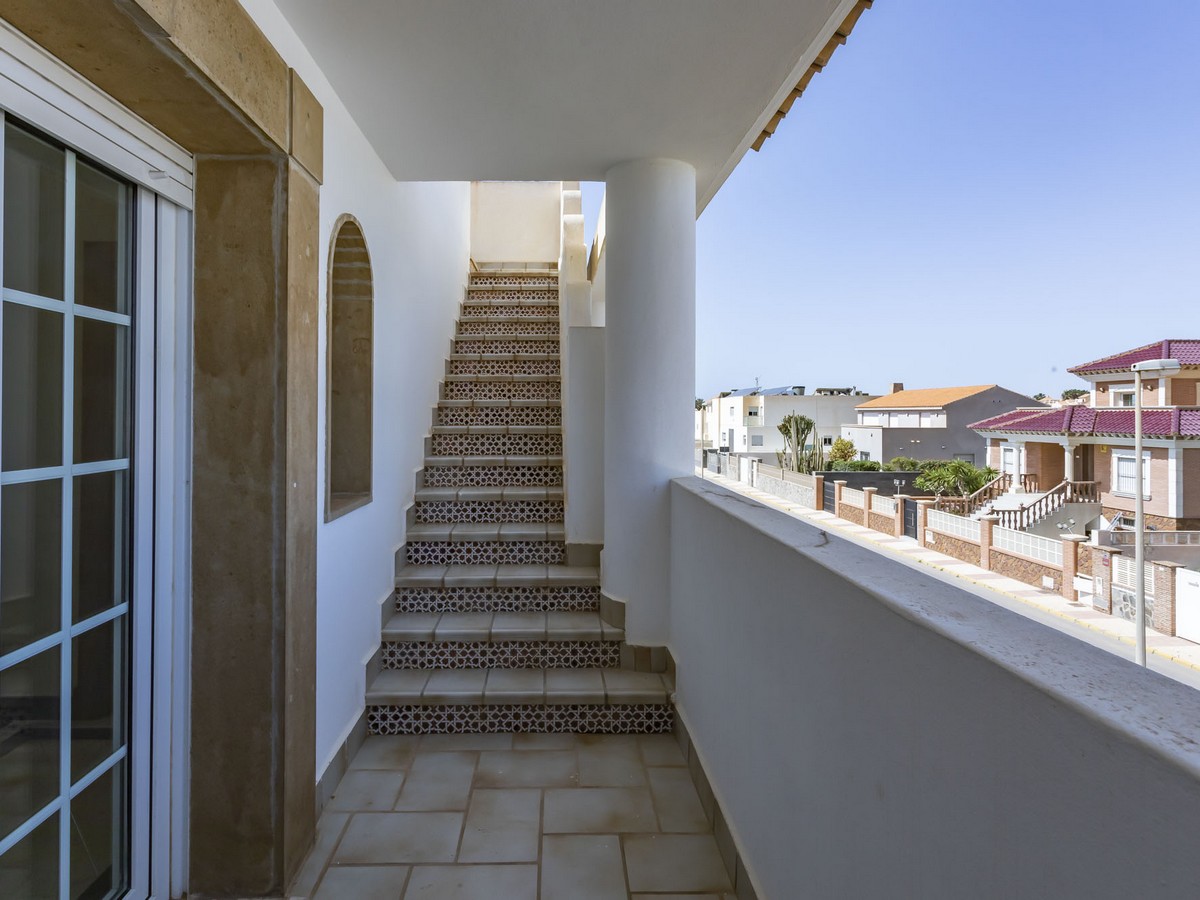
{"type": "Point", "coordinates": [516, 221]}
{"type": "Point", "coordinates": [865, 438]}
{"type": "Point", "coordinates": [871, 731]}
{"type": "Point", "coordinates": [419, 239]}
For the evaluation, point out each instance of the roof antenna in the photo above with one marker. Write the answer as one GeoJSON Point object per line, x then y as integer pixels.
{"type": "Point", "coordinates": [756, 385]}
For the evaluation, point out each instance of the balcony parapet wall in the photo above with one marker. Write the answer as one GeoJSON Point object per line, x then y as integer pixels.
{"type": "Point", "coordinates": [860, 703]}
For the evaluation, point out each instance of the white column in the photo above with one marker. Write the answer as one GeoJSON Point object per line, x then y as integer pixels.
{"type": "Point", "coordinates": [649, 376]}
{"type": "Point", "coordinates": [1068, 462]}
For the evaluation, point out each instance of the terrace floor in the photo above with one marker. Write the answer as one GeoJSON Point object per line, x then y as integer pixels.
{"type": "Point", "coordinates": [520, 816]}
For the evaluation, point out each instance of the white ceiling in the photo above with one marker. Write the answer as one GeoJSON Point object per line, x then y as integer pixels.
{"type": "Point", "coordinates": [531, 90]}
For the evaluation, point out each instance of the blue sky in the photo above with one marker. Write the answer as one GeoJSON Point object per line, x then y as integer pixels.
{"type": "Point", "coordinates": [970, 193]}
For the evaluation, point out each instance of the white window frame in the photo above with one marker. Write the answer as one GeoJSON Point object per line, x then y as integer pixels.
{"type": "Point", "coordinates": [1128, 454]}
{"type": "Point", "coordinates": [38, 89]}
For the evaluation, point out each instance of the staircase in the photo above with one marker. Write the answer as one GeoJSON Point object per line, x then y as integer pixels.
{"type": "Point", "coordinates": [493, 630]}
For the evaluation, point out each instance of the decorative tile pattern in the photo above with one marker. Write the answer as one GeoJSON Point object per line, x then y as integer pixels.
{"type": "Point", "coordinates": [494, 476]}
{"type": "Point", "coordinates": [516, 294]}
{"type": "Point", "coordinates": [522, 719]}
{"type": "Point", "coordinates": [503, 390]}
{"type": "Point", "coordinates": [454, 553]}
{"type": "Point", "coordinates": [497, 329]}
{"type": "Point", "coordinates": [559, 598]}
{"type": "Point", "coordinates": [480, 511]}
{"type": "Point", "coordinates": [496, 445]}
{"type": "Point", "coordinates": [479, 279]}
{"type": "Point", "coordinates": [483, 310]}
{"type": "Point", "coordinates": [500, 415]}
{"type": "Point", "coordinates": [504, 367]}
{"type": "Point", "coordinates": [516, 345]}
{"type": "Point", "coordinates": [501, 654]}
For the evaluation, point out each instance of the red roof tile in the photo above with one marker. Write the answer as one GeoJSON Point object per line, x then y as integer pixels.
{"type": "Point", "coordinates": [1181, 422]}
{"type": "Point", "coordinates": [1186, 351]}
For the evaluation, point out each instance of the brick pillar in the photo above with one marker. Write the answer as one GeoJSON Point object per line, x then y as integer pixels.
{"type": "Point", "coordinates": [868, 497]}
{"type": "Point", "coordinates": [1070, 550]}
{"type": "Point", "coordinates": [1164, 595]}
{"type": "Point", "coordinates": [1102, 563]}
{"type": "Point", "coordinates": [819, 488]}
{"type": "Point", "coordinates": [922, 518]}
{"type": "Point", "coordinates": [898, 527]}
{"type": "Point", "coordinates": [986, 524]}
{"type": "Point", "coordinates": [837, 497]}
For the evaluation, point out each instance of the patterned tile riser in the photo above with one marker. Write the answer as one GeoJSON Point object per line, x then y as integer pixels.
{"type": "Point", "coordinates": [491, 416]}
{"type": "Point", "coordinates": [494, 476]}
{"type": "Point", "coordinates": [504, 367]}
{"type": "Point", "coordinates": [457, 553]}
{"type": "Point", "coordinates": [496, 445]}
{"type": "Point", "coordinates": [521, 511]}
{"type": "Point", "coordinates": [517, 345]}
{"type": "Point", "coordinates": [499, 329]}
{"type": "Point", "coordinates": [488, 293]}
{"type": "Point", "coordinates": [483, 310]}
{"type": "Point", "coordinates": [501, 655]}
{"type": "Point", "coordinates": [523, 719]}
{"type": "Point", "coordinates": [503, 390]}
{"type": "Point", "coordinates": [565, 598]}
{"type": "Point", "coordinates": [478, 280]}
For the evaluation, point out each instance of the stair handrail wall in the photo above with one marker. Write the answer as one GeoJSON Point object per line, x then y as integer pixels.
{"type": "Point", "coordinates": [965, 506]}
{"type": "Point", "coordinates": [1058, 496]}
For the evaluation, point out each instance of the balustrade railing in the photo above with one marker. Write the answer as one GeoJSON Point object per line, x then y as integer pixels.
{"type": "Point", "coordinates": [1065, 492]}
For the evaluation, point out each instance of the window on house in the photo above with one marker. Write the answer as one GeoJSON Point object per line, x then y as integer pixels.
{"type": "Point", "coordinates": [1125, 476]}
{"type": "Point", "coordinates": [827, 440]}
{"type": "Point", "coordinates": [350, 360]}
{"type": "Point", "coordinates": [756, 440]}
{"type": "Point", "coordinates": [864, 455]}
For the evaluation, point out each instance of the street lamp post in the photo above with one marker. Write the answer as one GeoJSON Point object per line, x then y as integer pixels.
{"type": "Point", "coordinates": [1159, 368]}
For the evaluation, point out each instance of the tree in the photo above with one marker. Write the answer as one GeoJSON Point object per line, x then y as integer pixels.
{"type": "Point", "coordinates": [956, 477]}
{"type": "Point", "coordinates": [700, 404]}
{"type": "Point", "coordinates": [902, 464]}
{"type": "Point", "coordinates": [842, 450]}
{"type": "Point", "coordinates": [1073, 393]}
{"type": "Point", "coordinates": [798, 457]}
{"type": "Point", "coordinates": [1039, 396]}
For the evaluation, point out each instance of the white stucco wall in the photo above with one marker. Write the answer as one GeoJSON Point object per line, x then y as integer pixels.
{"type": "Point", "coordinates": [516, 221]}
{"type": "Point", "coordinates": [871, 731]}
{"type": "Point", "coordinates": [418, 235]}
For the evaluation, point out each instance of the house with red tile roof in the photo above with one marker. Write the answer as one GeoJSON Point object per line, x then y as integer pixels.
{"type": "Point", "coordinates": [1095, 443]}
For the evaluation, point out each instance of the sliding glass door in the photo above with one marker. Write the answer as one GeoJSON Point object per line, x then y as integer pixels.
{"type": "Point", "coordinates": [67, 403]}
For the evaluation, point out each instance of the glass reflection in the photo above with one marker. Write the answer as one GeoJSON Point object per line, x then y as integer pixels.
{"type": "Point", "coordinates": [30, 562]}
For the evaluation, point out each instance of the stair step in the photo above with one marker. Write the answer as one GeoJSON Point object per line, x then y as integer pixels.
{"type": "Point", "coordinates": [517, 368]}
{"type": "Point", "coordinates": [502, 388]}
{"type": "Point", "coordinates": [503, 532]}
{"type": "Point", "coordinates": [497, 417]}
{"type": "Point", "coordinates": [503, 403]}
{"type": "Point", "coordinates": [497, 429]}
{"type": "Point", "coordinates": [444, 551]}
{"type": "Point", "coordinates": [541, 445]}
{"type": "Point", "coordinates": [505, 576]}
{"type": "Point", "coordinates": [503, 344]}
{"type": "Point", "coordinates": [512, 279]}
{"type": "Point", "coordinates": [512, 687]}
{"type": "Point", "coordinates": [498, 475]}
{"type": "Point", "coordinates": [505, 494]}
{"type": "Point", "coordinates": [501, 327]}
{"type": "Point", "coordinates": [452, 627]}
{"type": "Point", "coordinates": [520, 285]}
{"type": "Point", "coordinates": [480, 312]}
{"type": "Point", "coordinates": [432, 461]}
{"type": "Point", "coordinates": [503, 297]}
{"type": "Point", "coordinates": [504, 357]}
{"type": "Point", "coordinates": [456, 511]}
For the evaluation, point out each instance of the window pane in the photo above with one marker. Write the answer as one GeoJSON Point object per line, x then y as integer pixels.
{"type": "Point", "coordinates": [30, 869]}
{"type": "Point", "coordinates": [102, 257]}
{"type": "Point", "coordinates": [34, 205]}
{"type": "Point", "coordinates": [98, 693]}
{"type": "Point", "coordinates": [29, 709]}
{"type": "Point", "coordinates": [98, 829]}
{"type": "Point", "coordinates": [30, 562]}
{"type": "Point", "coordinates": [33, 384]}
{"type": "Point", "coordinates": [100, 557]}
{"type": "Point", "coordinates": [101, 391]}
